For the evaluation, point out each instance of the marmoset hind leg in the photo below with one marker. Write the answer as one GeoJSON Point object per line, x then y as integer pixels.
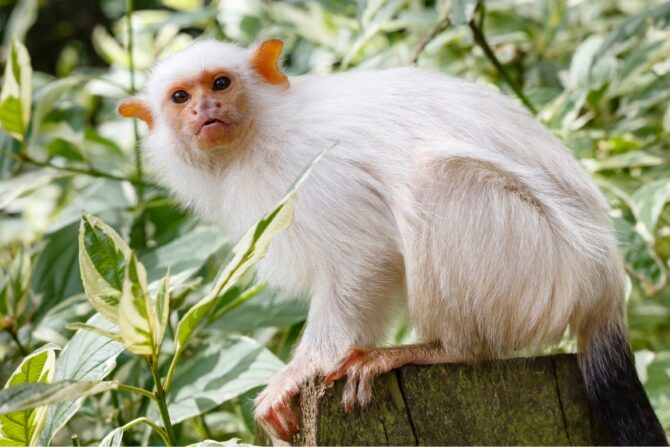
{"type": "Point", "coordinates": [486, 274]}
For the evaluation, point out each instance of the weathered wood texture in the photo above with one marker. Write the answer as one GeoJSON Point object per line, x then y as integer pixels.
{"type": "Point", "coordinates": [538, 401]}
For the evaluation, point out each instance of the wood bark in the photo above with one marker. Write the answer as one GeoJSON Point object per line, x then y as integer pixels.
{"type": "Point", "coordinates": [535, 401]}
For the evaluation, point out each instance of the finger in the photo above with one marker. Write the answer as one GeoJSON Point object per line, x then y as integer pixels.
{"type": "Point", "coordinates": [278, 426]}
{"type": "Point", "coordinates": [344, 366]}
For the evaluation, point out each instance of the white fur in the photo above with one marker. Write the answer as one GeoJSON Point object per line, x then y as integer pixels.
{"type": "Point", "coordinates": [438, 190]}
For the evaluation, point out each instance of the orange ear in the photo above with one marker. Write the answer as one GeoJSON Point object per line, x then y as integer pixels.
{"type": "Point", "coordinates": [265, 61]}
{"type": "Point", "coordinates": [134, 107]}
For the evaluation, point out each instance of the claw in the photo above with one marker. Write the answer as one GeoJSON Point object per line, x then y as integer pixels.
{"type": "Point", "coordinates": [290, 418]}
{"type": "Point", "coordinates": [277, 425]}
{"type": "Point", "coordinates": [348, 406]}
{"type": "Point", "coordinates": [344, 366]}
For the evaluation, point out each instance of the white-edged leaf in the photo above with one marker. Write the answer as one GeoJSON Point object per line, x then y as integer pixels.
{"type": "Point", "coordinates": [647, 204]}
{"type": "Point", "coordinates": [15, 97]}
{"type": "Point", "coordinates": [163, 307]}
{"type": "Point", "coordinates": [85, 327]}
{"type": "Point", "coordinates": [24, 427]}
{"type": "Point", "coordinates": [631, 159]}
{"type": "Point", "coordinates": [218, 372]}
{"type": "Point", "coordinates": [103, 256]}
{"type": "Point", "coordinates": [248, 251]}
{"type": "Point", "coordinates": [19, 185]}
{"type": "Point", "coordinates": [31, 395]}
{"type": "Point", "coordinates": [113, 438]}
{"type": "Point", "coordinates": [138, 323]}
{"type": "Point", "coordinates": [47, 96]}
{"type": "Point", "coordinates": [462, 11]}
{"type": "Point", "coordinates": [582, 62]}
{"type": "Point", "coordinates": [87, 356]}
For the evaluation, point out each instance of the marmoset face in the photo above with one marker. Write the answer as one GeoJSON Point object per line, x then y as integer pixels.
{"type": "Point", "coordinates": [198, 98]}
{"type": "Point", "coordinates": [207, 111]}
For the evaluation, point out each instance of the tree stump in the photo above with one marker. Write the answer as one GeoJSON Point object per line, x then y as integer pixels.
{"type": "Point", "coordinates": [536, 401]}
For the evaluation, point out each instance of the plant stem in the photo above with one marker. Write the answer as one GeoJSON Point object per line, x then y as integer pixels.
{"type": "Point", "coordinates": [75, 440]}
{"type": "Point", "coordinates": [155, 427]}
{"type": "Point", "coordinates": [440, 26]}
{"type": "Point", "coordinates": [480, 39]}
{"type": "Point", "coordinates": [162, 404]}
{"type": "Point", "coordinates": [131, 67]}
{"type": "Point", "coordinates": [15, 337]}
{"type": "Point", "coordinates": [91, 172]}
{"type": "Point", "coordinates": [134, 389]}
{"type": "Point", "coordinates": [205, 427]}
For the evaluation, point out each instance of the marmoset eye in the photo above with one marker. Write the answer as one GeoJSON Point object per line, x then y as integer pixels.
{"type": "Point", "coordinates": [180, 97]}
{"type": "Point", "coordinates": [221, 83]}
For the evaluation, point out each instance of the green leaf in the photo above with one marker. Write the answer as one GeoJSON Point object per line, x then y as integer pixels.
{"type": "Point", "coordinates": [640, 257]}
{"type": "Point", "coordinates": [14, 286]}
{"type": "Point", "coordinates": [218, 372]}
{"type": "Point", "coordinates": [138, 323]}
{"type": "Point", "coordinates": [86, 357]}
{"type": "Point", "coordinates": [31, 395]}
{"type": "Point", "coordinates": [633, 25]}
{"type": "Point", "coordinates": [185, 255]}
{"type": "Point", "coordinates": [647, 204]}
{"type": "Point", "coordinates": [46, 98]}
{"type": "Point", "coordinates": [371, 27]}
{"type": "Point", "coordinates": [103, 257]}
{"type": "Point", "coordinates": [15, 97]}
{"type": "Point", "coordinates": [271, 307]}
{"type": "Point", "coordinates": [24, 427]}
{"type": "Point", "coordinates": [247, 252]}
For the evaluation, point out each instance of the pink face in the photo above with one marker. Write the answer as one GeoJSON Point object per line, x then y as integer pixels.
{"type": "Point", "coordinates": [209, 110]}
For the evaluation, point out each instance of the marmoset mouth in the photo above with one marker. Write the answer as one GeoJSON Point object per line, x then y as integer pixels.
{"type": "Point", "coordinates": [211, 122]}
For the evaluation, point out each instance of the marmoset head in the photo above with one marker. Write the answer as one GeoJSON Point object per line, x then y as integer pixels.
{"type": "Point", "coordinates": [201, 94]}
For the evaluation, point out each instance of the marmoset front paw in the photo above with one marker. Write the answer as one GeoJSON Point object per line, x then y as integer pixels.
{"type": "Point", "coordinates": [275, 405]}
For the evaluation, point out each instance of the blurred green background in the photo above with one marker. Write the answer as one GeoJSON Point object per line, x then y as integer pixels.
{"type": "Point", "coordinates": [597, 72]}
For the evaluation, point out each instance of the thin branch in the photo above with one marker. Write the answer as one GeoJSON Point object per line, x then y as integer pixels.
{"type": "Point", "coordinates": [440, 26]}
{"type": "Point", "coordinates": [134, 389]}
{"type": "Point", "coordinates": [12, 333]}
{"type": "Point", "coordinates": [155, 427]}
{"type": "Point", "coordinates": [131, 67]}
{"type": "Point", "coordinates": [162, 403]}
{"type": "Point", "coordinates": [91, 172]}
{"type": "Point", "coordinates": [480, 39]}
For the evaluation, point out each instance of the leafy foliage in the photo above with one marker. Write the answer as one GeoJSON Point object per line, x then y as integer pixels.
{"type": "Point", "coordinates": [144, 281]}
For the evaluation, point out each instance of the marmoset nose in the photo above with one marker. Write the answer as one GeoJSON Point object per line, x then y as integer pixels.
{"type": "Point", "coordinates": [205, 105]}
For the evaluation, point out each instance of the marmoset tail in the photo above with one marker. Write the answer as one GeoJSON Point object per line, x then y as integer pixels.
{"type": "Point", "coordinates": [438, 194]}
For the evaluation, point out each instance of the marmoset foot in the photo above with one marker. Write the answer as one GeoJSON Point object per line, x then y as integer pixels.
{"type": "Point", "coordinates": [361, 366]}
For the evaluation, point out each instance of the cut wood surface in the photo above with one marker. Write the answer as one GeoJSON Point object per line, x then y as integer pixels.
{"type": "Point", "coordinates": [536, 401]}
